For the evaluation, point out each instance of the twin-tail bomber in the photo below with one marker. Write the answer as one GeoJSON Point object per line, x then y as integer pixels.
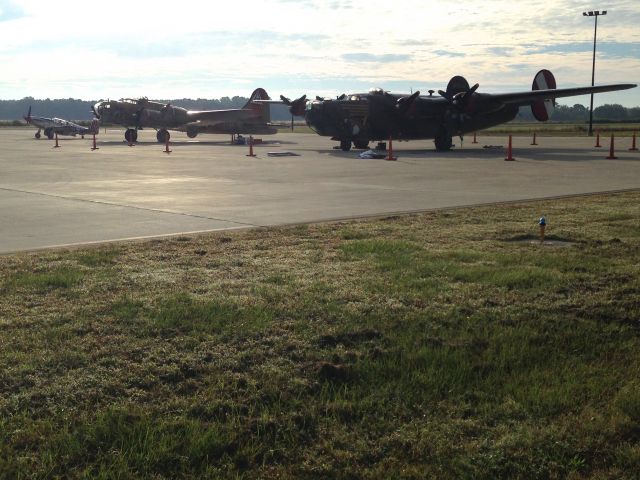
{"type": "Point", "coordinates": [379, 115]}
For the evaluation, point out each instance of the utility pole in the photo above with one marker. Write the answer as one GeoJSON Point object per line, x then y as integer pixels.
{"type": "Point", "coordinates": [594, 14]}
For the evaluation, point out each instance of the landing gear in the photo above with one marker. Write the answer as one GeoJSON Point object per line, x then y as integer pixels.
{"type": "Point", "coordinates": [131, 135]}
{"type": "Point", "coordinates": [37, 135]}
{"type": "Point", "coordinates": [345, 145]}
{"type": "Point", "coordinates": [49, 133]}
{"type": "Point", "coordinates": [192, 132]}
{"type": "Point", "coordinates": [443, 140]}
{"type": "Point", "coordinates": [361, 144]}
{"type": "Point", "coordinates": [163, 135]}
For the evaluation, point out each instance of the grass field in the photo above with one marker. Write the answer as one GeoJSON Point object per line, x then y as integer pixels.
{"type": "Point", "coordinates": [448, 344]}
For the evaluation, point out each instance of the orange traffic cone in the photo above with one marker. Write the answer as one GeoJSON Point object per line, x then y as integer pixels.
{"type": "Point", "coordinates": [251, 154]}
{"type": "Point", "coordinates": [509, 152]}
{"type": "Point", "coordinates": [633, 144]}
{"type": "Point", "coordinates": [612, 155]}
{"type": "Point", "coordinates": [390, 151]}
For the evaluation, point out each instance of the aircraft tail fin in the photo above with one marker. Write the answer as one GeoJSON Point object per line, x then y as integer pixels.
{"type": "Point", "coordinates": [27, 117]}
{"type": "Point", "coordinates": [261, 109]}
{"type": "Point", "coordinates": [542, 109]}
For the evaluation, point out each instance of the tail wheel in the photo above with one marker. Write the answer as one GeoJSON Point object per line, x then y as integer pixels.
{"type": "Point", "coordinates": [37, 135]}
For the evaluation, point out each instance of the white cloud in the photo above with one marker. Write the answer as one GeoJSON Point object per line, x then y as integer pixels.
{"type": "Point", "coordinates": [212, 49]}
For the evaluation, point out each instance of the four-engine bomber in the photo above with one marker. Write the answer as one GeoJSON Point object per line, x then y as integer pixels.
{"type": "Point", "coordinates": [379, 115]}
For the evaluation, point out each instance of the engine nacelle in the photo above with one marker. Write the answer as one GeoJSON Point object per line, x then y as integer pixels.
{"type": "Point", "coordinates": [173, 115]}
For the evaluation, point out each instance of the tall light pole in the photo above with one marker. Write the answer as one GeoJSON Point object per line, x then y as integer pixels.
{"type": "Point", "coordinates": [595, 14]}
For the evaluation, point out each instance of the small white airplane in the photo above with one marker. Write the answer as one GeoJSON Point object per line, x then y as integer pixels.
{"type": "Point", "coordinates": [51, 126]}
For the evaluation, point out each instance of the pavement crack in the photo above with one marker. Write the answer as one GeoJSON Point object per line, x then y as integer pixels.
{"type": "Point", "coordinates": [135, 207]}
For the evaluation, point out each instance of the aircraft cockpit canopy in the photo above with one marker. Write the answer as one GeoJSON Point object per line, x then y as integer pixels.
{"type": "Point", "coordinates": [376, 91]}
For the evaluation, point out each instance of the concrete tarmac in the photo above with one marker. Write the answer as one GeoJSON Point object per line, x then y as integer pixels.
{"type": "Point", "coordinates": [72, 195]}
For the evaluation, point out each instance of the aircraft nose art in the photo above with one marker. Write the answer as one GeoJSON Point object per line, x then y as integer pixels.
{"type": "Point", "coordinates": [542, 109]}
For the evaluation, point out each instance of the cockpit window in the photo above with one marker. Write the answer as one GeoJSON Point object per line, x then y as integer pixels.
{"type": "Point", "coordinates": [354, 98]}
{"type": "Point", "coordinates": [376, 91]}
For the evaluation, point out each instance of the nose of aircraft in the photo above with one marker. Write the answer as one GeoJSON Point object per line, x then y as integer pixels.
{"type": "Point", "coordinates": [97, 109]}
{"type": "Point", "coordinates": [314, 115]}
{"type": "Point", "coordinates": [324, 117]}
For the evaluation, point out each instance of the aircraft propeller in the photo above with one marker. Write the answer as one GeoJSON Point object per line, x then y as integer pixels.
{"type": "Point", "coordinates": [296, 107]}
{"type": "Point", "coordinates": [459, 99]}
{"type": "Point", "coordinates": [459, 96]}
{"type": "Point", "coordinates": [404, 104]}
{"type": "Point", "coordinates": [28, 117]}
{"type": "Point", "coordinates": [96, 114]}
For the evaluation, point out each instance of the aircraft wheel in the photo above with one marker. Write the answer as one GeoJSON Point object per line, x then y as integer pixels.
{"type": "Point", "coordinates": [37, 135]}
{"type": "Point", "coordinates": [443, 140]}
{"type": "Point", "coordinates": [192, 132]}
{"type": "Point", "coordinates": [163, 135]}
{"type": "Point", "coordinates": [49, 133]}
{"type": "Point", "coordinates": [361, 144]}
{"type": "Point", "coordinates": [345, 145]}
{"type": "Point", "coordinates": [131, 135]}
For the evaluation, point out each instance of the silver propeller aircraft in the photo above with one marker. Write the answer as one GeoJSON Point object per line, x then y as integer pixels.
{"type": "Point", "coordinates": [137, 114]}
{"type": "Point", "coordinates": [54, 125]}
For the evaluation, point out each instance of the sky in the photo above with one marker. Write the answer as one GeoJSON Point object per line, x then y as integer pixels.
{"type": "Point", "coordinates": [210, 49]}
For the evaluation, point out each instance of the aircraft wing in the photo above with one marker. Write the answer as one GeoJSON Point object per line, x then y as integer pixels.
{"type": "Point", "coordinates": [525, 98]}
{"type": "Point", "coordinates": [214, 117]}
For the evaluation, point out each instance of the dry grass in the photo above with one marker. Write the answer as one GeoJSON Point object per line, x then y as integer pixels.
{"type": "Point", "coordinates": [446, 344]}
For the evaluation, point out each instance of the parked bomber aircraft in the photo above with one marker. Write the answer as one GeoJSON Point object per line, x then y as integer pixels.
{"type": "Point", "coordinates": [380, 115]}
{"type": "Point", "coordinates": [51, 126]}
{"type": "Point", "coordinates": [137, 114]}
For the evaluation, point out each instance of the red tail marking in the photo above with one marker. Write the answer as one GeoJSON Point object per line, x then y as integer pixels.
{"type": "Point", "coordinates": [259, 109]}
{"type": "Point", "coordinates": [542, 109]}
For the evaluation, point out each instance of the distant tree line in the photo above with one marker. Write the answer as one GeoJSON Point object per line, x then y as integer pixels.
{"type": "Point", "coordinates": [579, 114]}
{"type": "Point", "coordinates": [80, 110]}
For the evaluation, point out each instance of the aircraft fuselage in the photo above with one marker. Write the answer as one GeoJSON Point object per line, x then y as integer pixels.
{"type": "Point", "coordinates": [136, 114]}
{"type": "Point", "coordinates": [373, 116]}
